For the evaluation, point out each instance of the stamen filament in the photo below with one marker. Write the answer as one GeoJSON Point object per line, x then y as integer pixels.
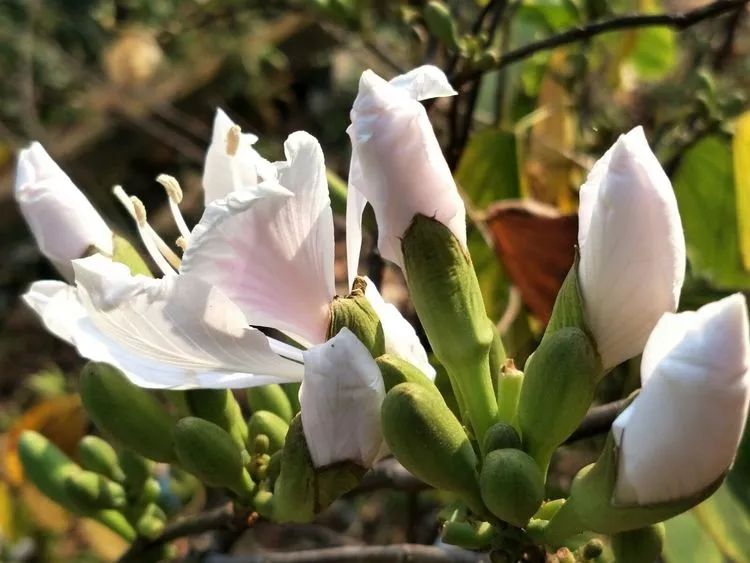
{"type": "Point", "coordinates": [174, 192]}
{"type": "Point", "coordinates": [148, 240]}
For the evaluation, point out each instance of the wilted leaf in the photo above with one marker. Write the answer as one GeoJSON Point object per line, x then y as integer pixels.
{"type": "Point", "coordinates": [61, 419]}
{"type": "Point", "coordinates": [741, 152]}
{"type": "Point", "coordinates": [704, 185]}
{"type": "Point", "coordinates": [535, 243]}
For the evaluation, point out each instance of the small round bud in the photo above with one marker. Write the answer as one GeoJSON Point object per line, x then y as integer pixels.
{"type": "Point", "coordinates": [593, 549]}
{"type": "Point", "coordinates": [501, 436]}
{"type": "Point", "coordinates": [512, 485]}
{"type": "Point", "coordinates": [261, 445]}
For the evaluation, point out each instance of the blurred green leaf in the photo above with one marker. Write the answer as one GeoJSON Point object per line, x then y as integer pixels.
{"type": "Point", "coordinates": [488, 170]}
{"type": "Point", "coordinates": [687, 541]}
{"type": "Point", "coordinates": [704, 185]}
{"type": "Point", "coordinates": [727, 522]}
{"type": "Point", "coordinates": [654, 54]}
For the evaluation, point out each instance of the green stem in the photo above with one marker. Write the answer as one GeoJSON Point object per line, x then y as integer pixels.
{"type": "Point", "coordinates": [475, 386]}
{"type": "Point", "coordinates": [508, 393]}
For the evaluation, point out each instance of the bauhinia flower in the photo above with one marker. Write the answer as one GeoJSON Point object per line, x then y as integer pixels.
{"type": "Point", "coordinates": [261, 256]}
{"type": "Point", "coordinates": [63, 221]}
{"type": "Point", "coordinates": [681, 432]}
{"type": "Point", "coordinates": [397, 164]}
{"type": "Point", "coordinates": [632, 248]}
{"type": "Point", "coordinates": [341, 396]}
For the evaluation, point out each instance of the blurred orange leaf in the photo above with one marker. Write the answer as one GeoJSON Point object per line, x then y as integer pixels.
{"type": "Point", "coordinates": [535, 243]}
{"type": "Point", "coordinates": [61, 419]}
{"type": "Point", "coordinates": [103, 541]}
{"type": "Point", "coordinates": [45, 513]}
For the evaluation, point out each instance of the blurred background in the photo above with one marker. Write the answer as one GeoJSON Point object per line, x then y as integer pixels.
{"type": "Point", "coordinates": [119, 91]}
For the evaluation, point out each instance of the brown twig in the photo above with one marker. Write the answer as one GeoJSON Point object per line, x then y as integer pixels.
{"type": "Point", "coordinates": [678, 21]}
{"type": "Point", "coordinates": [411, 553]}
{"type": "Point", "coordinates": [598, 420]}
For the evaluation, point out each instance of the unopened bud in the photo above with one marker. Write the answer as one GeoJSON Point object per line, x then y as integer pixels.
{"type": "Point", "coordinates": [356, 313]}
{"type": "Point", "coordinates": [430, 442]}
{"type": "Point", "coordinates": [440, 23]}
{"type": "Point", "coordinates": [46, 466]}
{"type": "Point", "coordinates": [98, 456]}
{"type": "Point", "coordinates": [137, 471]}
{"type": "Point", "coordinates": [593, 549]}
{"type": "Point", "coordinates": [643, 545]}
{"type": "Point", "coordinates": [151, 522]}
{"type": "Point", "coordinates": [128, 413]}
{"type": "Point", "coordinates": [269, 426]}
{"type": "Point", "coordinates": [469, 535]}
{"type": "Point", "coordinates": [509, 384]}
{"type": "Point", "coordinates": [210, 453]}
{"type": "Point", "coordinates": [558, 388]}
{"type": "Point", "coordinates": [501, 436]}
{"type": "Point", "coordinates": [261, 444]}
{"type": "Point", "coordinates": [220, 407]}
{"type": "Point", "coordinates": [395, 370]}
{"type": "Point", "coordinates": [270, 398]}
{"type": "Point", "coordinates": [512, 485]}
{"type": "Point", "coordinates": [90, 492]}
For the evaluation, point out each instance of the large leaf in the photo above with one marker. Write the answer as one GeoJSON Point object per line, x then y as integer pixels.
{"type": "Point", "coordinates": [727, 522]}
{"type": "Point", "coordinates": [741, 151]}
{"type": "Point", "coordinates": [704, 185]}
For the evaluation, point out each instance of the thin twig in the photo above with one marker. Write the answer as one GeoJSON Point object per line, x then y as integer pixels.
{"type": "Point", "coordinates": [389, 474]}
{"type": "Point", "coordinates": [598, 420]}
{"type": "Point", "coordinates": [411, 553]}
{"type": "Point", "coordinates": [678, 21]}
{"type": "Point", "coordinates": [724, 52]}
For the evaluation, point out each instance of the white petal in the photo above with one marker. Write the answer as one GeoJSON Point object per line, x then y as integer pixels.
{"type": "Point", "coordinates": [62, 220]}
{"type": "Point", "coordinates": [274, 258]}
{"type": "Point", "coordinates": [52, 301]}
{"type": "Point", "coordinates": [403, 171]}
{"type": "Point", "coordinates": [682, 431]}
{"type": "Point", "coordinates": [632, 248]}
{"type": "Point", "coordinates": [424, 82]}
{"type": "Point", "coordinates": [176, 332]}
{"type": "Point", "coordinates": [224, 173]}
{"type": "Point", "coordinates": [341, 395]}
{"type": "Point", "coordinates": [355, 206]}
{"type": "Point", "coordinates": [401, 339]}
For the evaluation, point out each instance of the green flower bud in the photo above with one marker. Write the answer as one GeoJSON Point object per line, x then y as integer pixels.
{"type": "Point", "coordinates": [265, 423]}
{"type": "Point", "coordinates": [643, 545]}
{"type": "Point", "coordinates": [509, 384]}
{"type": "Point", "coordinates": [116, 521]}
{"type": "Point", "coordinates": [291, 390]}
{"type": "Point", "coordinates": [263, 503]}
{"type": "Point", "coordinates": [301, 491]}
{"type": "Point", "coordinates": [590, 504]}
{"type": "Point", "coordinates": [46, 467]}
{"type": "Point", "coordinates": [558, 388]}
{"type": "Point", "coordinates": [501, 436]}
{"type": "Point", "coordinates": [430, 442]}
{"type": "Point", "coordinates": [512, 485]}
{"type": "Point", "coordinates": [151, 521]}
{"type": "Point", "coordinates": [90, 492]}
{"type": "Point", "coordinates": [137, 471]}
{"type": "Point", "coordinates": [98, 456]}
{"type": "Point", "coordinates": [130, 414]}
{"type": "Point", "coordinates": [271, 398]}
{"type": "Point", "coordinates": [395, 370]}
{"type": "Point", "coordinates": [448, 300]}
{"type": "Point", "coordinates": [469, 535]}
{"type": "Point", "coordinates": [355, 313]}
{"type": "Point", "coordinates": [210, 453]}
{"type": "Point", "coordinates": [593, 549]}
{"type": "Point", "coordinates": [220, 407]}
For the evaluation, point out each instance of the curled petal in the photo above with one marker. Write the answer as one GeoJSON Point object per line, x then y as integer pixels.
{"type": "Point", "coordinates": [681, 433]}
{"type": "Point", "coordinates": [274, 256]}
{"type": "Point", "coordinates": [401, 339]}
{"type": "Point", "coordinates": [632, 248]}
{"type": "Point", "coordinates": [397, 164]}
{"type": "Point", "coordinates": [341, 395]}
{"type": "Point", "coordinates": [63, 222]}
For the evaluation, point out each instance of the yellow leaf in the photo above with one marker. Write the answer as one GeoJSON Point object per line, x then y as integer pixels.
{"type": "Point", "coordinates": [45, 513]}
{"type": "Point", "coordinates": [103, 541]}
{"type": "Point", "coordinates": [741, 152]}
{"type": "Point", "coordinates": [61, 419]}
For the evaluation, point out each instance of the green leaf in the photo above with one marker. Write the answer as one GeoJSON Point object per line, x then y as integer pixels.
{"type": "Point", "coordinates": [704, 186]}
{"type": "Point", "coordinates": [488, 170]}
{"type": "Point", "coordinates": [686, 540]}
{"type": "Point", "coordinates": [654, 54]}
{"type": "Point", "coordinates": [727, 522]}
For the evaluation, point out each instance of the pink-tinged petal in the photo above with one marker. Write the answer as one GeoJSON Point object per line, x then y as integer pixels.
{"type": "Point", "coordinates": [62, 220]}
{"type": "Point", "coordinates": [341, 395]}
{"type": "Point", "coordinates": [223, 172]}
{"type": "Point", "coordinates": [401, 339]}
{"type": "Point", "coordinates": [424, 82]}
{"type": "Point", "coordinates": [274, 258]}
{"type": "Point", "coordinates": [402, 168]}
{"type": "Point", "coordinates": [632, 248]}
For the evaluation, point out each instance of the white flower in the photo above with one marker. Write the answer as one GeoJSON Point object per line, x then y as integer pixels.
{"type": "Point", "coordinates": [340, 396]}
{"type": "Point", "coordinates": [681, 432]}
{"type": "Point", "coordinates": [632, 248]}
{"type": "Point", "coordinates": [261, 256]}
{"type": "Point", "coordinates": [63, 222]}
{"type": "Point", "coordinates": [397, 164]}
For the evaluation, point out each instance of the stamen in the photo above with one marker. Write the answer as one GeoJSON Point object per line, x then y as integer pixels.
{"type": "Point", "coordinates": [233, 140]}
{"type": "Point", "coordinates": [145, 230]}
{"type": "Point", "coordinates": [174, 191]}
